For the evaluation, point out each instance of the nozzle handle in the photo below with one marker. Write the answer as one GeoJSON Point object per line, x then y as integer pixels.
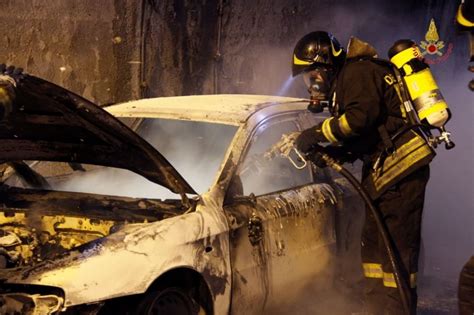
{"type": "Point", "coordinates": [300, 157]}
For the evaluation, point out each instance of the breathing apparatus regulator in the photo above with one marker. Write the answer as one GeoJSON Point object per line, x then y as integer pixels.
{"type": "Point", "coordinates": [424, 104]}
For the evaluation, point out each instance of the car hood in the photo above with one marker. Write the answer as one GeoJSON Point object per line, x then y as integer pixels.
{"type": "Point", "coordinates": [42, 121]}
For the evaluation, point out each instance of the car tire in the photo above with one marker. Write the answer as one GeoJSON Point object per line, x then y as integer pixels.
{"type": "Point", "coordinates": [168, 301]}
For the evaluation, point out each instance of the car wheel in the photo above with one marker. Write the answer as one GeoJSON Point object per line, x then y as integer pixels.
{"type": "Point", "coordinates": [170, 301]}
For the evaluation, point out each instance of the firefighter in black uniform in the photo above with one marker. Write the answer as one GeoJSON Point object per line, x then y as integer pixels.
{"type": "Point", "coordinates": [364, 99]}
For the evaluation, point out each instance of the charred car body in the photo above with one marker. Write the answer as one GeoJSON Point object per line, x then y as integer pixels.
{"type": "Point", "coordinates": [256, 230]}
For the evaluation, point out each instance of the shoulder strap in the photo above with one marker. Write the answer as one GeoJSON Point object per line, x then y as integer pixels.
{"type": "Point", "coordinates": [386, 139]}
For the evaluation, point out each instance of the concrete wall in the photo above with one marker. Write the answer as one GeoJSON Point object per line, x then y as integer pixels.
{"type": "Point", "coordinates": [85, 45]}
{"type": "Point", "coordinates": [180, 47]}
{"type": "Point", "coordinates": [115, 50]}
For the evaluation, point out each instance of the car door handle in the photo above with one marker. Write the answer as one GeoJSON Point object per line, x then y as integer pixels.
{"type": "Point", "coordinates": [255, 228]}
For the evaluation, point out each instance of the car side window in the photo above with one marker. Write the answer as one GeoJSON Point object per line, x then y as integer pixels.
{"type": "Point", "coordinates": [262, 175]}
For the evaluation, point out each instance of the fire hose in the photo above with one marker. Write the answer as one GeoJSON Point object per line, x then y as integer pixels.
{"type": "Point", "coordinates": [402, 282]}
{"type": "Point", "coordinates": [324, 155]}
{"type": "Point", "coordinates": [321, 156]}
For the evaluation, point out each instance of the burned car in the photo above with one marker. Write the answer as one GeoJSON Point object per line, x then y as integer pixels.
{"type": "Point", "coordinates": [159, 206]}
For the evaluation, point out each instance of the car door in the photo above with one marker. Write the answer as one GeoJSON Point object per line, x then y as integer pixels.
{"type": "Point", "coordinates": [349, 217]}
{"type": "Point", "coordinates": [282, 224]}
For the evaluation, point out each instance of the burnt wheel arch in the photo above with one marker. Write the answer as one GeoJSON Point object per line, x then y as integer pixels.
{"type": "Point", "coordinates": [184, 279]}
{"type": "Point", "coordinates": [169, 301]}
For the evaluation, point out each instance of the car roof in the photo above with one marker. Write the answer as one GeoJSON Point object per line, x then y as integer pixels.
{"type": "Point", "coordinates": [231, 109]}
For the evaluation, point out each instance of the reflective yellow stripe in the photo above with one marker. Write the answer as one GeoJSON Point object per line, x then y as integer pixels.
{"type": "Point", "coordinates": [401, 167]}
{"type": "Point", "coordinates": [328, 132]}
{"type": "Point", "coordinates": [413, 279]}
{"type": "Point", "coordinates": [344, 126]}
{"type": "Point", "coordinates": [405, 149]}
{"type": "Point", "coordinates": [389, 280]}
{"type": "Point", "coordinates": [372, 270]}
{"type": "Point", "coordinates": [408, 154]}
{"type": "Point", "coordinates": [462, 20]}
{"type": "Point", "coordinates": [435, 108]}
{"type": "Point", "coordinates": [298, 61]}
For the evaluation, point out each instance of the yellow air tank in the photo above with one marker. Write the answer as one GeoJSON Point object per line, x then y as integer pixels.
{"type": "Point", "coordinates": [427, 99]}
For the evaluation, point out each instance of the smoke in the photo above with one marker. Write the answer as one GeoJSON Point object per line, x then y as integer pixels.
{"type": "Point", "coordinates": [195, 149]}
{"type": "Point", "coordinates": [114, 182]}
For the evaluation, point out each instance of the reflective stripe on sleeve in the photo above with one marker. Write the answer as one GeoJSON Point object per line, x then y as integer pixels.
{"type": "Point", "coordinates": [344, 126]}
{"type": "Point", "coordinates": [327, 132]}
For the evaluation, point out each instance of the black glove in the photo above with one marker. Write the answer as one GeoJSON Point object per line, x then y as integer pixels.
{"type": "Point", "coordinates": [340, 154]}
{"type": "Point", "coordinates": [316, 156]}
{"type": "Point", "coordinates": [309, 138]}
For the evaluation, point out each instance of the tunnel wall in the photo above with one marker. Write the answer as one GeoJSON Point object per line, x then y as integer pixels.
{"type": "Point", "coordinates": [116, 50]}
{"type": "Point", "coordinates": [85, 45]}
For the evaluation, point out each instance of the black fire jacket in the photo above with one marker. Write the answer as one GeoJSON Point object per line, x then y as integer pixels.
{"type": "Point", "coordinates": [368, 106]}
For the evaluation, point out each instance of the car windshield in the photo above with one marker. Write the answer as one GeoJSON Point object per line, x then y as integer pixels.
{"type": "Point", "coordinates": [195, 149]}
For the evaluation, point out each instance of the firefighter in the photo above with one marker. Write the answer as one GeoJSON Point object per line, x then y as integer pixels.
{"type": "Point", "coordinates": [363, 97]}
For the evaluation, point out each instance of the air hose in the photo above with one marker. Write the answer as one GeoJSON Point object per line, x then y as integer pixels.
{"type": "Point", "coordinates": [402, 283]}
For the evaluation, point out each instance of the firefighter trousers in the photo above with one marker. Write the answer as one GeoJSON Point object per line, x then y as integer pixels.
{"type": "Point", "coordinates": [401, 207]}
